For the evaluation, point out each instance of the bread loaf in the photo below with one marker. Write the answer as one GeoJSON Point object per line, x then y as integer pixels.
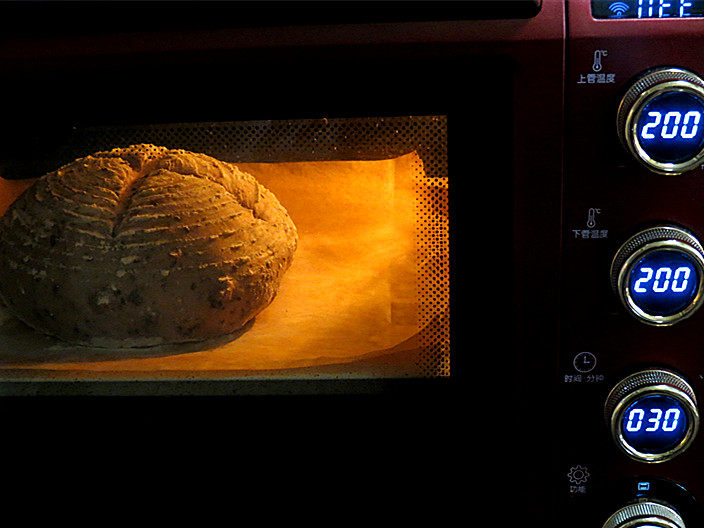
{"type": "Point", "coordinates": [141, 246]}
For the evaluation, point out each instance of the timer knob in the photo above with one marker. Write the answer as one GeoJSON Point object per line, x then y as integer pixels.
{"type": "Point", "coordinates": [658, 274]}
{"type": "Point", "coordinates": [653, 415]}
{"type": "Point", "coordinates": [661, 120]}
{"type": "Point", "coordinates": [645, 514]}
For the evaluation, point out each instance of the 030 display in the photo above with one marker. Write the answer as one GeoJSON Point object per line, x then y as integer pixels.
{"type": "Point", "coordinates": [653, 415]}
{"type": "Point", "coordinates": [654, 423]}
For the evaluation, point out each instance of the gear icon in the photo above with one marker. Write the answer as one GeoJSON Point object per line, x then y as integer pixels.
{"type": "Point", "coordinates": [578, 475]}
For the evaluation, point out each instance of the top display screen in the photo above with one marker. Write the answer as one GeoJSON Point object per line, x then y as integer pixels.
{"type": "Point", "coordinates": [647, 8]}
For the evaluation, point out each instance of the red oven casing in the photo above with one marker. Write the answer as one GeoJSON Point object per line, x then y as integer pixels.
{"type": "Point", "coordinates": [531, 148]}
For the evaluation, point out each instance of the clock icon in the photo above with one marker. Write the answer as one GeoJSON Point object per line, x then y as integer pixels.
{"type": "Point", "coordinates": [584, 362]}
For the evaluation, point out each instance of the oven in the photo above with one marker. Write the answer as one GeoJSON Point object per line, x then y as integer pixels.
{"type": "Point", "coordinates": [446, 237]}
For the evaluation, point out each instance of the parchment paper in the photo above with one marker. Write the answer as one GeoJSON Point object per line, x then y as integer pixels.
{"type": "Point", "coordinates": [348, 307]}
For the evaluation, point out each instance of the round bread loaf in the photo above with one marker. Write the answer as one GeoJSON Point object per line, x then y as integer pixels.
{"type": "Point", "coordinates": [141, 246]}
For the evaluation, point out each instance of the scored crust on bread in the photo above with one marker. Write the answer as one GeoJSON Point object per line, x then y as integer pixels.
{"type": "Point", "coordinates": [141, 246]}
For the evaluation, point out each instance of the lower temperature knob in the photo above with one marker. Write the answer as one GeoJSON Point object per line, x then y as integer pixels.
{"type": "Point", "coordinates": [645, 514]}
{"type": "Point", "coordinates": [658, 274]}
{"type": "Point", "coordinates": [653, 415]}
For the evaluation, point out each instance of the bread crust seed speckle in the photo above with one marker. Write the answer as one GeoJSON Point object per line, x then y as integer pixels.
{"type": "Point", "coordinates": [141, 246]}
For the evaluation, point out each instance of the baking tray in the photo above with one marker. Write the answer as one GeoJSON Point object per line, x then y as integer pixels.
{"type": "Point", "coordinates": [354, 304]}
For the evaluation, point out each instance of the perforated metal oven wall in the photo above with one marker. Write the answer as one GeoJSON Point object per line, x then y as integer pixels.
{"type": "Point", "coordinates": [325, 140]}
{"type": "Point", "coordinates": [434, 275]}
{"type": "Point", "coordinates": [284, 140]}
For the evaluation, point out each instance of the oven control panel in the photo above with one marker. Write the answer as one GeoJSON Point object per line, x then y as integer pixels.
{"type": "Point", "coordinates": [631, 372]}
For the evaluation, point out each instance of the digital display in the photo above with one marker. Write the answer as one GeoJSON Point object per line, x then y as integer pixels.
{"type": "Point", "coordinates": [654, 424]}
{"type": "Point", "coordinates": [670, 128]}
{"type": "Point", "coordinates": [663, 282]}
{"type": "Point", "coordinates": [647, 8]}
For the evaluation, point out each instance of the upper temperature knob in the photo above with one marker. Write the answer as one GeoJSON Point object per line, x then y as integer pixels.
{"type": "Point", "coordinates": [661, 120]}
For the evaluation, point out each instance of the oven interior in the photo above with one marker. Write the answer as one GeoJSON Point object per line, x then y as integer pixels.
{"type": "Point", "coordinates": [368, 293]}
{"type": "Point", "coordinates": [355, 144]}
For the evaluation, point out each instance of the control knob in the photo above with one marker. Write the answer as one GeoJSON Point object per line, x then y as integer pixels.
{"type": "Point", "coordinates": [645, 514]}
{"type": "Point", "coordinates": [652, 415]}
{"type": "Point", "coordinates": [658, 274]}
{"type": "Point", "coordinates": [661, 120]}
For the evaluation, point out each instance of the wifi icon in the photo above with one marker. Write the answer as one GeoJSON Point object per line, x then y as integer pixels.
{"type": "Point", "coordinates": [618, 9]}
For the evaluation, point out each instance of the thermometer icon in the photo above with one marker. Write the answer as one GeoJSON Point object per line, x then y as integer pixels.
{"type": "Point", "coordinates": [591, 216]}
{"type": "Point", "coordinates": [598, 54]}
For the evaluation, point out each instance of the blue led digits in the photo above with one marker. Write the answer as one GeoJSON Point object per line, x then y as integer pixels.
{"type": "Point", "coordinates": [660, 120]}
{"type": "Point", "coordinates": [652, 415]}
{"type": "Point", "coordinates": [663, 282]}
{"type": "Point", "coordinates": [670, 128]}
{"type": "Point", "coordinates": [647, 8]}
{"type": "Point", "coordinates": [658, 274]}
{"type": "Point", "coordinates": [664, 8]}
{"type": "Point", "coordinates": [654, 424]}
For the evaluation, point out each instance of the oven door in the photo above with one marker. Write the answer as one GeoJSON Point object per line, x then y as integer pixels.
{"type": "Point", "coordinates": [442, 313]}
